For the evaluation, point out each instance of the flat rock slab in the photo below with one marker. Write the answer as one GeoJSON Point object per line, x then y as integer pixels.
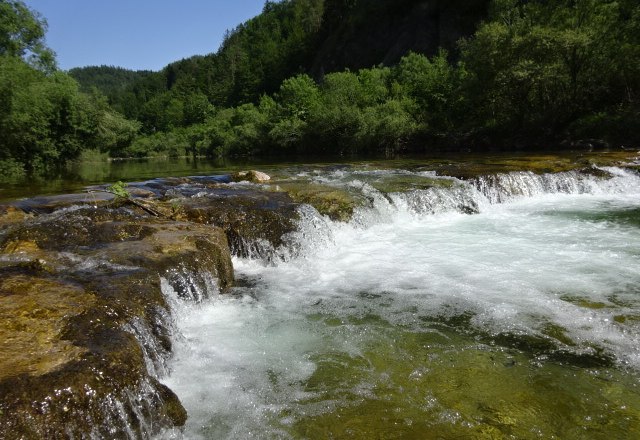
{"type": "Point", "coordinates": [84, 324]}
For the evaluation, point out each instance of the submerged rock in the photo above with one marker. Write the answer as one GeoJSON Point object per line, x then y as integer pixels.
{"type": "Point", "coordinates": [10, 215]}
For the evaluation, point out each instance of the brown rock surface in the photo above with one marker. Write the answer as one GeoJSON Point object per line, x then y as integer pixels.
{"type": "Point", "coordinates": [84, 324]}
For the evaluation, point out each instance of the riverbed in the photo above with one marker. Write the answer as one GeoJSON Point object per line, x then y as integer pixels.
{"type": "Point", "coordinates": [499, 305]}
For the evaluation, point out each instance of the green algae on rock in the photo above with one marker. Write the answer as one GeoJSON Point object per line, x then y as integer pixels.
{"type": "Point", "coordinates": [10, 215]}
{"type": "Point", "coordinates": [336, 203]}
{"type": "Point", "coordinates": [89, 277]}
{"type": "Point", "coordinates": [33, 313]}
{"type": "Point", "coordinates": [85, 324]}
{"type": "Point", "coordinates": [255, 222]}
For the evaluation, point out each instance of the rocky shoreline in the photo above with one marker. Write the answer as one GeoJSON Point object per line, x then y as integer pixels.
{"type": "Point", "coordinates": [85, 325]}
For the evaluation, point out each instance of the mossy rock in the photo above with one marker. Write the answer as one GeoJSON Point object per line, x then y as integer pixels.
{"type": "Point", "coordinates": [84, 320]}
{"type": "Point", "coordinates": [33, 313]}
{"type": "Point", "coordinates": [409, 182]}
{"type": "Point", "coordinates": [584, 302]}
{"type": "Point", "coordinates": [469, 167]}
{"type": "Point", "coordinates": [11, 215]}
{"type": "Point", "coordinates": [49, 204]}
{"type": "Point", "coordinates": [558, 333]}
{"type": "Point", "coordinates": [488, 165]}
{"type": "Point", "coordinates": [250, 176]}
{"type": "Point", "coordinates": [247, 216]}
{"type": "Point", "coordinates": [627, 319]}
{"type": "Point", "coordinates": [68, 367]}
{"type": "Point", "coordinates": [336, 203]}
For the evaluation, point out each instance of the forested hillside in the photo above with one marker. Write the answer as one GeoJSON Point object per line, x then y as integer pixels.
{"type": "Point", "coordinates": [112, 81]}
{"type": "Point", "coordinates": [45, 120]}
{"type": "Point", "coordinates": [534, 74]}
{"type": "Point", "coordinates": [344, 76]}
{"type": "Point", "coordinates": [315, 37]}
{"type": "Point", "coordinates": [357, 34]}
{"type": "Point", "coordinates": [253, 59]}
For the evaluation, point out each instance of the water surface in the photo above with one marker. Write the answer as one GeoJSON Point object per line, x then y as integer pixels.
{"type": "Point", "coordinates": [494, 307]}
{"type": "Point", "coordinates": [77, 176]}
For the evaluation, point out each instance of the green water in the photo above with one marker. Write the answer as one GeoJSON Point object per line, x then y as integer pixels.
{"type": "Point", "coordinates": [439, 384]}
{"type": "Point", "coordinates": [518, 322]}
{"type": "Point", "coordinates": [77, 176]}
{"type": "Point", "coordinates": [420, 320]}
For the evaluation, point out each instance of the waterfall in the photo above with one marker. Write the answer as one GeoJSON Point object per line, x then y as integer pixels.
{"type": "Point", "coordinates": [441, 306]}
{"type": "Point", "coordinates": [468, 197]}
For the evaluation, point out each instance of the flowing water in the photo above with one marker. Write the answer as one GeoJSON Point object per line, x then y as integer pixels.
{"type": "Point", "coordinates": [494, 307]}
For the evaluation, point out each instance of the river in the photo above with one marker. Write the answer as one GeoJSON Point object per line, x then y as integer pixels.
{"type": "Point", "coordinates": [495, 306]}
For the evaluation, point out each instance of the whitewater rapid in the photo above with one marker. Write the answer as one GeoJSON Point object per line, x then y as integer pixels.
{"type": "Point", "coordinates": [539, 270]}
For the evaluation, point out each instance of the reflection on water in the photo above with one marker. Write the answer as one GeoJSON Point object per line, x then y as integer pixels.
{"type": "Point", "coordinates": [79, 175]}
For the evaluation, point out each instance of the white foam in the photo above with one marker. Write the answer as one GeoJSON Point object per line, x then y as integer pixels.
{"type": "Point", "coordinates": [514, 267]}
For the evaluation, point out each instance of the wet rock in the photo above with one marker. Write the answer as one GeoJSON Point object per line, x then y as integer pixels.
{"type": "Point", "coordinates": [10, 215]}
{"type": "Point", "coordinates": [336, 203]}
{"type": "Point", "coordinates": [253, 220]}
{"type": "Point", "coordinates": [250, 176]}
{"type": "Point", "coordinates": [86, 323]}
{"type": "Point", "coordinates": [49, 204]}
{"type": "Point", "coordinates": [85, 327]}
{"type": "Point", "coordinates": [489, 165]}
{"type": "Point", "coordinates": [590, 144]}
{"type": "Point", "coordinates": [33, 312]}
{"type": "Point", "coordinates": [409, 182]}
{"type": "Point", "coordinates": [596, 172]}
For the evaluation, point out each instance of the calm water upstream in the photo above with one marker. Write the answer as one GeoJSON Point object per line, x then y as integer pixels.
{"type": "Point", "coordinates": [486, 308]}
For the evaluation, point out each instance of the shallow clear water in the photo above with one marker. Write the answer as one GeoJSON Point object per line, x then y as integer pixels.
{"type": "Point", "coordinates": [419, 320]}
{"type": "Point", "coordinates": [78, 175]}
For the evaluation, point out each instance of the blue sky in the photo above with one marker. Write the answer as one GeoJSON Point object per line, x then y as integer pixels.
{"type": "Point", "coordinates": [138, 34]}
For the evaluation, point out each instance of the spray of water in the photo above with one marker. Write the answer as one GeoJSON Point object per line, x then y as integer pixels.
{"type": "Point", "coordinates": [453, 308]}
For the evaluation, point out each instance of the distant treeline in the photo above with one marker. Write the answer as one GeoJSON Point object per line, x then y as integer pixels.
{"type": "Point", "coordinates": [45, 120]}
{"type": "Point", "coordinates": [508, 73]}
{"type": "Point", "coordinates": [534, 73]}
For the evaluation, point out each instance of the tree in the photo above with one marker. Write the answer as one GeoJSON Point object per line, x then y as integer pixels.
{"type": "Point", "coordinates": [434, 85]}
{"type": "Point", "coordinates": [297, 96]}
{"type": "Point", "coordinates": [536, 67]}
{"type": "Point", "coordinates": [197, 109]}
{"type": "Point", "coordinates": [22, 33]}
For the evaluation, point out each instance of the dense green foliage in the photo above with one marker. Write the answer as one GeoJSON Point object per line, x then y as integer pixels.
{"type": "Point", "coordinates": [110, 80]}
{"type": "Point", "coordinates": [531, 73]}
{"type": "Point", "coordinates": [534, 73]}
{"type": "Point", "coordinates": [358, 34]}
{"type": "Point", "coordinates": [556, 69]}
{"type": "Point", "coordinates": [377, 109]}
{"type": "Point", "coordinates": [45, 120]}
{"type": "Point", "coordinates": [289, 37]}
{"type": "Point", "coordinates": [22, 34]}
{"type": "Point", "coordinates": [254, 58]}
